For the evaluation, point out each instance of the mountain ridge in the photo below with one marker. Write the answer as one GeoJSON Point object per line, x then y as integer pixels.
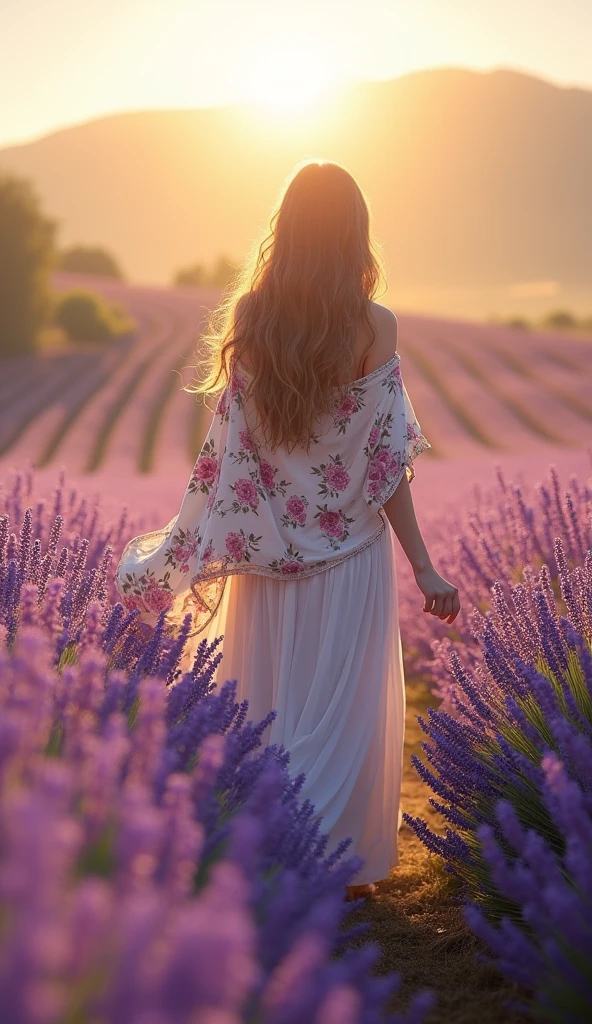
{"type": "Point", "coordinates": [480, 184]}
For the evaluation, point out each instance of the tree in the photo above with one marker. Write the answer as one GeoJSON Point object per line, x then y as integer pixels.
{"type": "Point", "coordinates": [559, 319]}
{"type": "Point", "coordinates": [27, 257]}
{"type": "Point", "coordinates": [199, 276]}
{"type": "Point", "coordinates": [88, 259]}
{"type": "Point", "coordinates": [195, 276]}
{"type": "Point", "coordinates": [85, 316]}
{"type": "Point", "coordinates": [222, 272]}
{"type": "Point", "coordinates": [518, 322]}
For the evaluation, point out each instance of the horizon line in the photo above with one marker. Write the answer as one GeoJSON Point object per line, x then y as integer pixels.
{"type": "Point", "coordinates": [335, 88]}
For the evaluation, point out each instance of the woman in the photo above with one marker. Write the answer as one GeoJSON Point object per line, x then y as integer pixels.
{"type": "Point", "coordinates": [284, 538]}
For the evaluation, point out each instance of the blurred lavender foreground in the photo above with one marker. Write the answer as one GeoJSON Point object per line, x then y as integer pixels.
{"type": "Point", "coordinates": [156, 865]}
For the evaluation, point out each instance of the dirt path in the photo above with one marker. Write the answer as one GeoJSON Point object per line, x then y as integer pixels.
{"type": "Point", "coordinates": [419, 924]}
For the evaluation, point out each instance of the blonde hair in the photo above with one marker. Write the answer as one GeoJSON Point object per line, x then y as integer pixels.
{"type": "Point", "coordinates": [296, 306]}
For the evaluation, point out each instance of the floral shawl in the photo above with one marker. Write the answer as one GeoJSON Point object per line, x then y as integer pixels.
{"type": "Point", "coordinates": [283, 515]}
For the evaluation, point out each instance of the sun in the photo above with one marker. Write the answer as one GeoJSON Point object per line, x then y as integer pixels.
{"type": "Point", "coordinates": [289, 81]}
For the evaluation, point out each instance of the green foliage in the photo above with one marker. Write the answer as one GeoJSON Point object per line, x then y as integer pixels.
{"type": "Point", "coordinates": [55, 743]}
{"type": "Point", "coordinates": [87, 317]}
{"type": "Point", "coordinates": [69, 655]}
{"type": "Point", "coordinates": [86, 259]}
{"type": "Point", "coordinates": [525, 796]}
{"type": "Point", "coordinates": [519, 322]}
{"type": "Point", "coordinates": [219, 275]}
{"type": "Point", "coordinates": [27, 257]}
{"type": "Point", "coordinates": [559, 319]}
{"type": "Point", "coordinates": [100, 858]}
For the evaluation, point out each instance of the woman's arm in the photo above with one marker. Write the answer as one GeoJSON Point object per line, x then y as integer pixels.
{"type": "Point", "coordinates": [401, 515]}
{"type": "Point", "coordinates": [441, 597]}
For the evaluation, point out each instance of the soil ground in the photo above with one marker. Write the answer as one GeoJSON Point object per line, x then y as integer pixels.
{"type": "Point", "coordinates": [417, 919]}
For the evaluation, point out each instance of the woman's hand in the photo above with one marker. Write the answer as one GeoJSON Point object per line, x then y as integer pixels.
{"type": "Point", "coordinates": [441, 597]}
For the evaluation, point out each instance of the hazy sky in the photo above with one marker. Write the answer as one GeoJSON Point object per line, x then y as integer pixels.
{"type": "Point", "coordinates": [66, 61]}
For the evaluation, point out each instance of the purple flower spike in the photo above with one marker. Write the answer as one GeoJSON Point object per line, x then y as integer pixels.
{"type": "Point", "coordinates": [157, 860]}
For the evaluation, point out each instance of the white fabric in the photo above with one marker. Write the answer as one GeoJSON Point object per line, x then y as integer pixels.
{"type": "Point", "coordinates": [291, 556]}
{"type": "Point", "coordinates": [288, 514]}
{"type": "Point", "coordinates": [326, 654]}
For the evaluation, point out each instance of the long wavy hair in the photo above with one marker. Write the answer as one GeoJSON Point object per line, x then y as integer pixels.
{"type": "Point", "coordinates": [295, 308]}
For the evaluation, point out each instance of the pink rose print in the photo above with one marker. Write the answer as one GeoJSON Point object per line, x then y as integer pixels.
{"type": "Point", "coordinates": [346, 406]}
{"type": "Point", "coordinates": [157, 598]}
{"type": "Point", "coordinates": [147, 592]}
{"type": "Point", "coordinates": [207, 553]}
{"type": "Point", "coordinates": [212, 497]}
{"type": "Point", "coordinates": [247, 451]}
{"type": "Point", "coordinates": [374, 436]}
{"type": "Point", "coordinates": [206, 469]}
{"type": "Point", "coordinates": [291, 564]}
{"type": "Point", "coordinates": [269, 486]}
{"type": "Point", "coordinates": [236, 545]}
{"type": "Point", "coordinates": [296, 507]}
{"type": "Point", "coordinates": [381, 429]}
{"type": "Point", "coordinates": [377, 470]}
{"type": "Point", "coordinates": [290, 568]}
{"type": "Point", "coordinates": [183, 546]}
{"type": "Point", "coordinates": [236, 385]}
{"type": "Point", "coordinates": [390, 460]}
{"type": "Point", "coordinates": [375, 487]}
{"type": "Point", "coordinates": [330, 524]}
{"type": "Point", "coordinates": [268, 474]}
{"type": "Point", "coordinates": [295, 514]}
{"type": "Point", "coordinates": [222, 406]}
{"type": "Point", "coordinates": [132, 602]}
{"type": "Point", "coordinates": [237, 382]}
{"type": "Point", "coordinates": [261, 485]}
{"type": "Point", "coordinates": [246, 441]}
{"type": "Point", "coordinates": [393, 379]}
{"type": "Point", "coordinates": [239, 545]}
{"type": "Point", "coordinates": [232, 392]}
{"type": "Point", "coordinates": [337, 477]}
{"type": "Point", "coordinates": [384, 467]}
{"type": "Point", "coordinates": [333, 524]}
{"type": "Point", "coordinates": [246, 492]}
{"type": "Point", "coordinates": [334, 477]}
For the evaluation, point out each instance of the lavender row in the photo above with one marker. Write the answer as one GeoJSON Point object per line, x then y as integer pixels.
{"type": "Point", "coordinates": [156, 864]}
{"type": "Point", "coordinates": [509, 761]}
{"type": "Point", "coordinates": [508, 530]}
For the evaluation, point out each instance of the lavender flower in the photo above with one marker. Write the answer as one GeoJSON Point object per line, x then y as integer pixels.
{"type": "Point", "coordinates": [554, 893]}
{"type": "Point", "coordinates": [156, 861]}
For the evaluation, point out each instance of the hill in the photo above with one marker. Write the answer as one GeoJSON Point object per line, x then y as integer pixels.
{"type": "Point", "coordinates": [480, 185]}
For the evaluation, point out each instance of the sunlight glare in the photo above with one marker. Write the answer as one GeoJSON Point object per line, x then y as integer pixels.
{"type": "Point", "coordinates": [290, 80]}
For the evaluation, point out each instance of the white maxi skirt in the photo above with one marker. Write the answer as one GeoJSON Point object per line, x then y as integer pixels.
{"type": "Point", "coordinates": [325, 653]}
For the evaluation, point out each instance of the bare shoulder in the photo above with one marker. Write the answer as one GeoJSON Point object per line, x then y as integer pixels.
{"type": "Point", "coordinates": [382, 314]}
{"type": "Point", "coordinates": [384, 346]}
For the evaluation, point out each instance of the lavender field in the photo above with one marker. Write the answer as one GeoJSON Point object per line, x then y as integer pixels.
{"type": "Point", "coordinates": [117, 420]}
{"type": "Point", "coordinates": [481, 392]}
{"type": "Point", "coordinates": [138, 798]}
